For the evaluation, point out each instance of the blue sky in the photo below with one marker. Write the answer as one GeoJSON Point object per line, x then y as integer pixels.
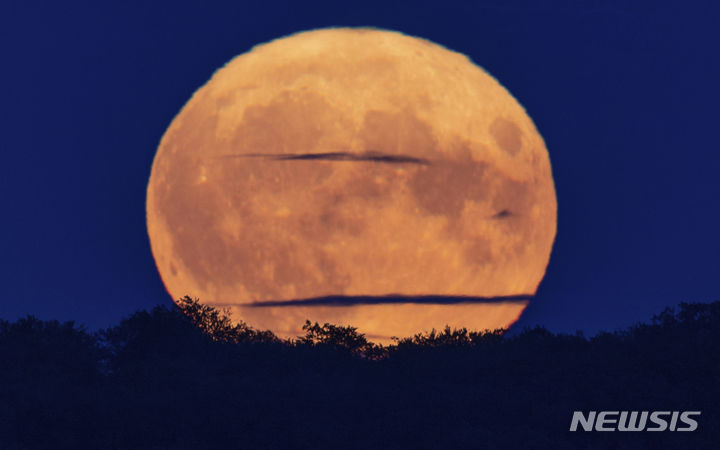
{"type": "Point", "coordinates": [625, 95]}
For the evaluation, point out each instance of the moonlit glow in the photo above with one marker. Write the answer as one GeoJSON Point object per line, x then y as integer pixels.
{"type": "Point", "coordinates": [353, 162]}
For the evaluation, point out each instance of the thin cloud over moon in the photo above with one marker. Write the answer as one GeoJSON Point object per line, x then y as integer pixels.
{"type": "Point", "coordinates": [338, 156]}
{"type": "Point", "coordinates": [345, 300]}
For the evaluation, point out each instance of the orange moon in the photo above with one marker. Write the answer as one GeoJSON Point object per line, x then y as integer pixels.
{"type": "Point", "coordinates": [353, 162]}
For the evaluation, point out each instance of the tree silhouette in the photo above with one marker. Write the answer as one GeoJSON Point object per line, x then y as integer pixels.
{"type": "Point", "coordinates": [190, 377]}
{"type": "Point", "coordinates": [340, 338]}
{"type": "Point", "coordinates": [218, 324]}
{"type": "Point", "coordinates": [449, 337]}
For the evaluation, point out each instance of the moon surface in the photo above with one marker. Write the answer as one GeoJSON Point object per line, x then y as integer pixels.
{"type": "Point", "coordinates": [353, 162]}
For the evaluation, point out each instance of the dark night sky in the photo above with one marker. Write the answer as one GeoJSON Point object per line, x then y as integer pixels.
{"type": "Point", "coordinates": [624, 93]}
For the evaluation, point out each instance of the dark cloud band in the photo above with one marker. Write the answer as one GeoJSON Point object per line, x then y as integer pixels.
{"type": "Point", "coordinates": [376, 157]}
{"type": "Point", "coordinates": [344, 300]}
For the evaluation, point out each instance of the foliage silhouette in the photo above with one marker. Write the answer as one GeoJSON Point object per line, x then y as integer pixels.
{"type": "Point", "coordinates": [189, 377]}
{"type": "Point", "coordinates": [339, 339]}
{"type": "Point", "coordinates": [218, 324]}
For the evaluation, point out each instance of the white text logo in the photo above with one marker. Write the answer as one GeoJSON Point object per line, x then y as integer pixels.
{"type": "Point", "coordinates": [634, 421]}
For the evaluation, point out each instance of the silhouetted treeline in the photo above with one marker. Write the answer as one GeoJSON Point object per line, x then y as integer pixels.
{"type": "Point", "coordinates": [190, 378]}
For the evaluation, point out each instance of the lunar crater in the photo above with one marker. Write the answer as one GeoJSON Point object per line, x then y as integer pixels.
{"type": "Point", "coordinates": [507, 135]}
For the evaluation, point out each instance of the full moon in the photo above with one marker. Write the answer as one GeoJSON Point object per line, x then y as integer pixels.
{"type": "Point", "coordinates": [353, 162]}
